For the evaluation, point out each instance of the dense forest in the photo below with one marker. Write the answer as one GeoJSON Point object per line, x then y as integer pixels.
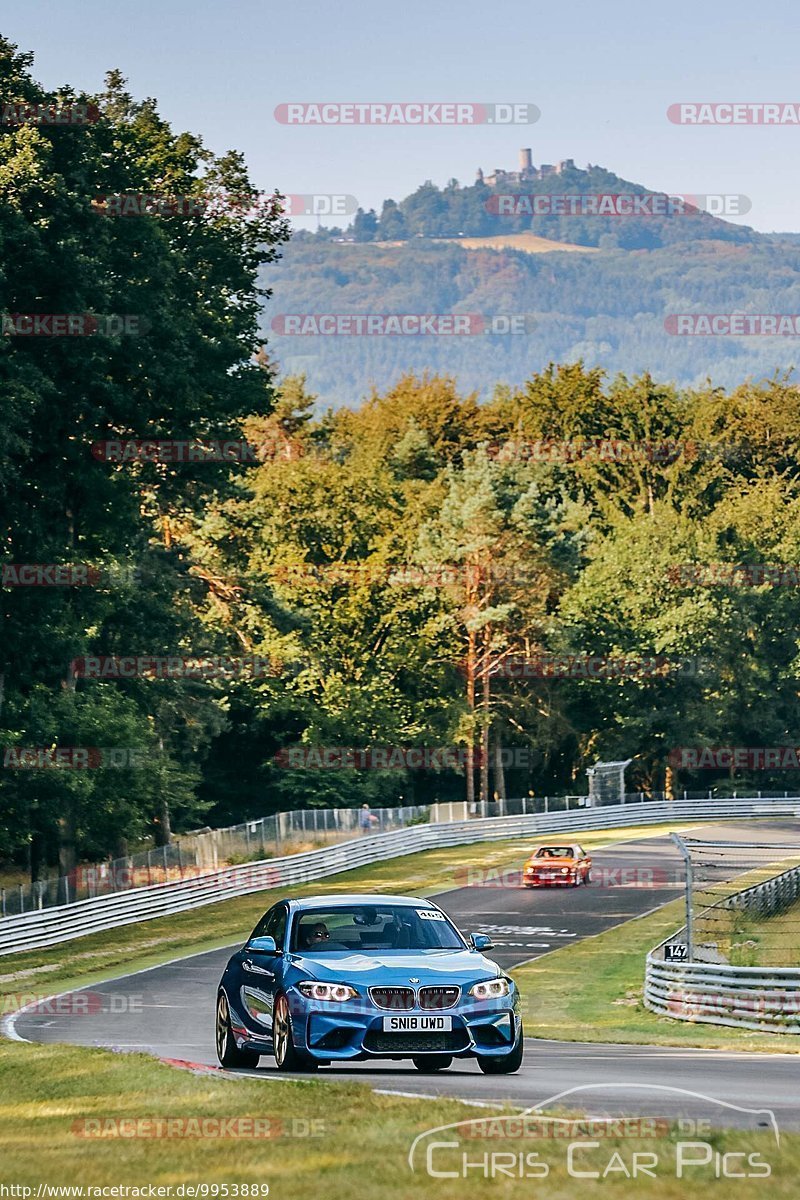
{"type": "Point", "coordinates": [606, 307]}
{"type": "Point", "coordinates": [371, 577]}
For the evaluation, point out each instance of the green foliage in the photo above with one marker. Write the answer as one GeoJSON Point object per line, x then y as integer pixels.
{"type": "Point", "coordinates": [191, 373]}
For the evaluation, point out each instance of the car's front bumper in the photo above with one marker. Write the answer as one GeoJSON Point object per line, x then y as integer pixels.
{"type": "Point", "coordinates": [355, 1030]}
{"type": "Point", "coordinates": [550, 881]}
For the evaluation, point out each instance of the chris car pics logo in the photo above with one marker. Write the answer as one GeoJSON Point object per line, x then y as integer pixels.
{"type": "Point", "coordinates": [533, 1144]}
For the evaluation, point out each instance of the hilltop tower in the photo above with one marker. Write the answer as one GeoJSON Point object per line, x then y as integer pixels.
{"type": "Point", "coordinates": [525, 161]}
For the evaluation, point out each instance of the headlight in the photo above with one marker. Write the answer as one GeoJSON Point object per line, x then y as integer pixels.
{"type": "Point", "coordinates": [565, 870]}
{"type": "Point", "coordinates": [490, 989]}
{"type": "Point", "coordinates": [337, 992]}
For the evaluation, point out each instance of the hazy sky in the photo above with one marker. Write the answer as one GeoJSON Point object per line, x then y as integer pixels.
{"type": "Point", "coordinates": [602, 75]}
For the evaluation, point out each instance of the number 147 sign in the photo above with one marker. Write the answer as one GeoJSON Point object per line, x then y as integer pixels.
{"type": "Point", "coordinates": [677, 952]}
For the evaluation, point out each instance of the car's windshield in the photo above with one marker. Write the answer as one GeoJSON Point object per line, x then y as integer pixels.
{"type": "Point", "coordinates": [372, 927]}
{"type": "Point", "coordinates": [555, 852]}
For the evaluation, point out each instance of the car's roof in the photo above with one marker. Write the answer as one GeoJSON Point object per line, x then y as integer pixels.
{"type": "Point", "coordinates": [358, 898]}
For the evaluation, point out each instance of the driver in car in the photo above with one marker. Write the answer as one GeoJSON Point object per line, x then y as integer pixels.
{"type": "Point", "coordinates": [317, 937]}
{"type": "Point", "coordinates": [313, 935]}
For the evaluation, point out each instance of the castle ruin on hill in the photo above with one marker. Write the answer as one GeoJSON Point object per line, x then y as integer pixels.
{"type": "Point", "coordinates": [527, 171]}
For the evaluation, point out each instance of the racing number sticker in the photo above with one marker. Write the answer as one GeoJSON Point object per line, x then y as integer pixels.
{"type": "Point", "coordinates": [429, 914]}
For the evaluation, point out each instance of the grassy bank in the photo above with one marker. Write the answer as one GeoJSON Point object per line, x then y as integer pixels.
{"type": "Point", "coordinates": [325, 1138]}
{"type": "Point", "coordinates": [749, 940]}
{"type": "Point", "coordinates": [593, 992]}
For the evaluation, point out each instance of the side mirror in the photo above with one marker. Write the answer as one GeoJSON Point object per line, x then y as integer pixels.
{"type": "Point", "coordinates": [263, 945]}
{"type": "Point", "coordinates": [481, 941]}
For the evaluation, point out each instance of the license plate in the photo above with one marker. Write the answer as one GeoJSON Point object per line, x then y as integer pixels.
{"type": "Point", "coordinates": [420, 1024]}
{"type": "Point", "coordinates": [548, 874]}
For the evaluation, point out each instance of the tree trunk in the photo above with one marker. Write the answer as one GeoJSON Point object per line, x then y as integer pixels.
{"type": "Point", "coordinates": [471, 667]}
{"type": "Point", "coordinates": [486, 705]}
{"type": "Point", "coordinates": [67, 837]}
{"type": "Point", "coordinates": [499, 769]}
{"type": "Point", "coordinates": [163, 827]}
{"type": "Point", "coordinates": [669, 783]}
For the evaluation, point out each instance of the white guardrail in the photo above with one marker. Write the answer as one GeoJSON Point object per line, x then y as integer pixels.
{"type": "Point", "coordinates": [50, 926]}
{"type": "Point", "coordinates": [761, 998]}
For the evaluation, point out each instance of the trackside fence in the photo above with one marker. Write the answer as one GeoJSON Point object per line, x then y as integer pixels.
{"type": "Point", "coordinates": [205, 851]}
{"type": "Point", "coordinates": [712, 990]}
{"type": "Point", "coordinates": [51, 926]}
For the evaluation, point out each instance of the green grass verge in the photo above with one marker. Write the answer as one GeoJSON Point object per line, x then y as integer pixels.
{"type": "Point", "coordinates": [593, 992]}
{"type": "Point", "coordinates": [749, 940]}
{"type": "Point", "coordinates": [130, 948]}
{"type": "Point", "coordinates": [331, 1139]}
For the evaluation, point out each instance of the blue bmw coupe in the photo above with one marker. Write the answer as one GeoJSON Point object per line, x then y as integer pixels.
{"type": "Point", "coordinates": [347, 978]}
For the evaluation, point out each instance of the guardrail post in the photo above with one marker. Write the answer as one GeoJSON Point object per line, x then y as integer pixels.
{"type": "Point", "coordinates": [546, 804]}
{"type": "Point", "coordinates": [687, 859]}
{"type": "Point", "coordinates": [3, 900]}
{"type": "Point", "coordinates": [21, 898]}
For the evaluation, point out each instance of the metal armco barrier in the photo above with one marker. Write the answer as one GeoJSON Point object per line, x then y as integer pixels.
{"type": "Point", "coordinates": [51, 926]}
{"type": "Point", "coordinates": [761, 998]}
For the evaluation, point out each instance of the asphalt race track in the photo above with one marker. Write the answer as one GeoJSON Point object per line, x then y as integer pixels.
{"type": "Point", "coordinates": [169, 1010]}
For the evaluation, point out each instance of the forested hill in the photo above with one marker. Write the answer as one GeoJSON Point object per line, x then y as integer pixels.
{"type": "Point", "coordinates": [458, 250]}
{"type": "Point", "coordinates": [544, 204]}
{"type": "Point", "coordinates": [607, 307]}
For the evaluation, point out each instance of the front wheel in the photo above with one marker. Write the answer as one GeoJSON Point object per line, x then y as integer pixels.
{"type": "Point", "coordinates": [287, 1057]}
{"type": "Point", "coordinates": [427, 1063]}
{"type": "Point", "coordinates": [228, 1052]}
{"type": "Point", "coordinates": [506, 1065]}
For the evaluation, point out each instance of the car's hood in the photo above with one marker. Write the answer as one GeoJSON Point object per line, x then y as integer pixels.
{"type": "Point", "coordinates": [548, 863]}
{"type": "Point", "coordinates": [397, 967]}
